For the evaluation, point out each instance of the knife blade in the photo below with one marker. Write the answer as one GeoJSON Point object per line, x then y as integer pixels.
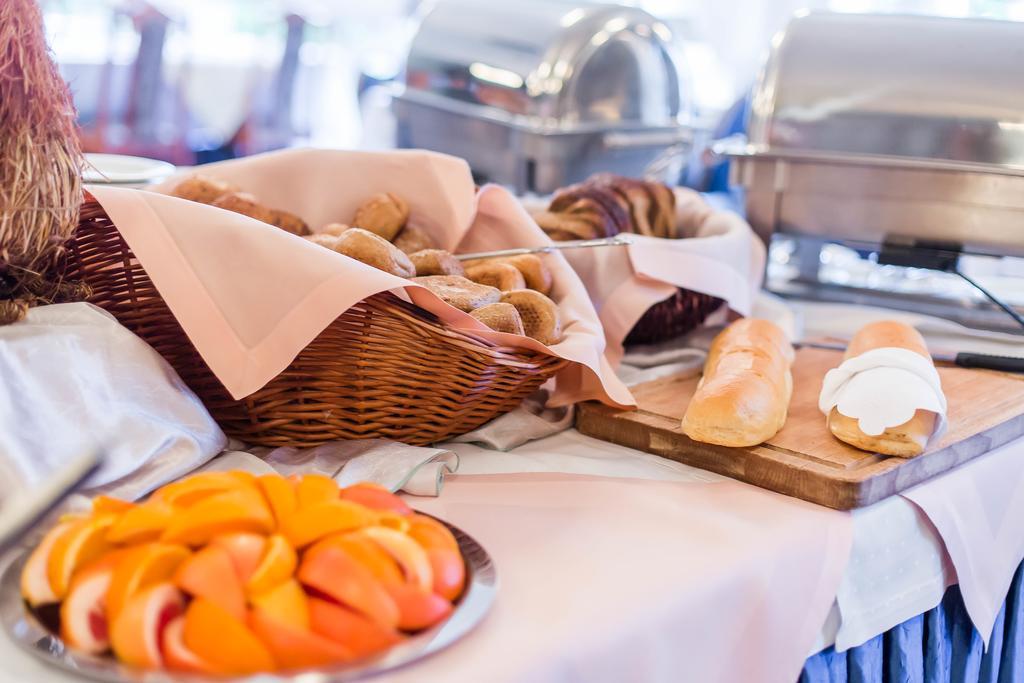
{"type": "Point", "coordinates": [963, 359]}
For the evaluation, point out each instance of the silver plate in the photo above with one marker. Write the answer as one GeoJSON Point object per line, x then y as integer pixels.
{"type": "Point", "coordinates": [26, 630]}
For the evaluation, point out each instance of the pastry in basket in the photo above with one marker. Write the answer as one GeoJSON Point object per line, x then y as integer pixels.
{"type": "Point", "coordinates": [541, 320]}
{"type": "Point", "coordinates": [375, 251]}
{"type": "Point", "coordinates": [202, 189]}
{"type": "Point", "coordinates": [606, 205]}
{"type": "Point", "coordinates": [436, 262]}
{"type": "Point", "coordinates": [227, 573]}
{"type": "Point", "coordinates": [915, 405]}
{"type": "Point", "coordinates": [504, 276]}
{"type": "Point", "coordinates": [535, 274]}
{"type": "Point", "coordinates": [500, 317]}
{"type": "Point", "coordinates": [245, 203]}
{"type": "Point", "coordinates": [459, 292]}
{"type": "Point", "coordinates": [412, 239]}
{"type": "Point", "coordinates": [743, 397]}
{"type": "Point", "coordinates": [384, 214]}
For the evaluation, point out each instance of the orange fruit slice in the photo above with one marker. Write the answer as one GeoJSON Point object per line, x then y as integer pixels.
{"type": "Point", "coordinates": [286, 603]}
{"type": "Point", "coordinates": [277, 565]}
{"type": "Point", "coordinates": [418, 609]}
{"type": "Point", "coordinates": [375, 497]}
{"type": "Point", "coordinates": [280, 495]}
{"type": "Point", "coordinates": [335, 574]}
{"type": "Point", "coordinates": [323, 519]}
{"type": "Point", "coordinates": [315, 488]}
{"type": "Point", "coordinates": [82, 542]}
{"type": "Point", "coordinates": [225, 642]}
{"type": "Point", "coordinates": [430, 533]}
{"type": "Point", "coordinates": [177, 656]}
{"type": "Point", "coordinates": [141, 524]}
{"type": "Point", "coordinates": [83, 613]}
{"type": "Point", "coordinates": [190, 490]}
{"type": "Point", "coordinates": [142, 567]}
{"type": "Point", "coordinates": [295, 648]}
{"type": "Point", "coordinates": [210, 574]}
{"type": "Point", "coordinates": [365, 552]}
{"type": "Point", "coordinates": [362, 636]}
{"type": "Point", "coordinates": [35, 582]}
{"type": "Point", "coordinates": [136, 632]}
{"type": "Point", "coordinates": [108, 504]}
{"type": "Point", "coordinates": [408, 553]}
{"type": "Point", "coordinates": [240, 509]}
{"type": "Point", "coordinates": [245, 550]}
{"type": "Point", "coordinates": [449, 572]}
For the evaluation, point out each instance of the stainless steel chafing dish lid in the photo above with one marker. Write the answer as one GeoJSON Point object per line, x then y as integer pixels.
{"type": "Point", "coordinates": [869, 125]}
{"type": "Point", "coordinates": [546, 66]}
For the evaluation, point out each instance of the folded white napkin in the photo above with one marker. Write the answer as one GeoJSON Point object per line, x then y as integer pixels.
{"type": "Point", "coordinates": [530, 421]}
{"type": "Point", "coordinates": [883, 388]}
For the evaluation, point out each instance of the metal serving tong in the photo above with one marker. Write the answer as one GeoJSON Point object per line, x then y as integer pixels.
{"type": "Point", "coordinates": [617, 241]}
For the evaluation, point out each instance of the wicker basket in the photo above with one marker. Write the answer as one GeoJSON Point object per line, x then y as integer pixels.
{"type": "Point", "coordinates": [383, 369]}
{"type": "Point", "coordinates": [673, 317]}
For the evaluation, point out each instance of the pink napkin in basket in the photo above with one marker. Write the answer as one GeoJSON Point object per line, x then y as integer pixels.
{"type": "Point", "coordinates": [721, 257]}
{"type": "Point", "coordinates": [251, 296]}
{"type": "Point", "coordinates": [978, 510]}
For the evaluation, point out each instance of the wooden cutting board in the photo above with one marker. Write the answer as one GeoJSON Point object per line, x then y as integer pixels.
{"type": "Point", "coordinates": [986, 410]}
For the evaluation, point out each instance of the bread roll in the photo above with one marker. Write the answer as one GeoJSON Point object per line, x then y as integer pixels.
{"type": "Point", "coordinates": [540, 316]}
{"type": "Point", "coordinates": [905, 440]}
{"type": "Point", "coordinates": [436, 262]}
{"type": "Point", "coordinates": [383, 214]}
{"type": "Point", "coordinates": [743, 397]}
{"type": "Point", "coordinates": [504, 276]}
{"type": "Point", "coordinates": [375, 251]}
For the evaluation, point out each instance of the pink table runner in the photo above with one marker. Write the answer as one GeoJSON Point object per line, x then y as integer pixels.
{"type": "Point", "coordinates": [251, 296]}
{"type": "Point", "coordinates": [620, 579]}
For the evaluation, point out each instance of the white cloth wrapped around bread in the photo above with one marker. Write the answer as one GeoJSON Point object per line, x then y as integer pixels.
{"type": "Point", "coordinates": [743, 397]}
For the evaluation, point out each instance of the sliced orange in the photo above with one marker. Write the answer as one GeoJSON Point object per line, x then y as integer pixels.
{"type": "Point", "coordinates": [245, 550]}
{"type": "Point", "coordinates": [418, 609]}
{"type": "Point", "coordinates": [323, 519]}
{"type": "Point", "coordinates": [375, 497]}
{"type": "Point", "coordinates": [315, 488]}
{"type": "Point", "coordinates": [408, 553]}
{"type": "Point", "coordinates": [177, 656]}
{"type": "Point", "coordinates": [83, 613]}
{"type": "Point", "coordinates": [108, 504]}
{"type": "Point", "coordinates": [210, 574]}
{"type": "Point", "coordinates": [82, 542]}
{"type": "Point", "coordinates": [334, 573]}
{"type": "Point", "coordinates": [142, 567]}
{"type": "Point", "coordinates": [227, 643]}
{"type": "Point", "coordinates": [240, 509]}
{"type": "Point", "coordinates": [430, 533]}
{"type": "Point", "coordinates": [141, 524]}
{"type": "Point", "coordinates": [365, 552]}
{"type": "Point", "coordinates": [359, 634]}
{"type": "Point", "coordinates": [277, 565]}
{"type": "Point", "coordinates": [296, 648]}
{"type": "Point", "coordinates": [280, 495]}
{"type": "Point", "coordinates": [449, 572]}
{"type": "Point", "coordinates": [286, 603]}
{"type": "Point", "coordinates": [136, 633]}
{"type": "Point", "coordinates": [190, 490]}
{"type": "Point", "coordinates": [35, 583]}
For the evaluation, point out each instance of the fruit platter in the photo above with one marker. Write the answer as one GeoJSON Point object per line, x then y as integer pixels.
{"type": "Point", "coordinates": [229, 574]}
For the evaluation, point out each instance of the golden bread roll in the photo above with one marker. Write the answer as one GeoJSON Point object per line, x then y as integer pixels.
{"type": "Point", "coordinates": [743, 397]}
{"type": "Point", "coordinates": [504, 276]}
{"type": "Point", "coordinates": [412, 239]}
{"type": "Point", "coordinates": [202, 189]}
{"type": "Point", "coordinates": [535, 272]}
{"type": "Point", "coordinates": [500, 317]}
{"type": "Point", "coordinates": [459, 292]}
{"type": "Point", "coordinates": [540, 316]}
{"type": "Point", "coordinates": [375, 251]}
{"type": "Point", "coordinates": [288, 222]}
{"type": "Point", "coordinates": [245, 204]}
{"type": "Point", "coordinates": [333, 229]}
{"type": "Point", "coordinates": [905, 440]}
{"type": "Point", "coordinates": [436, 262]}
{"type": "Point", "coordinates": [383, 214]}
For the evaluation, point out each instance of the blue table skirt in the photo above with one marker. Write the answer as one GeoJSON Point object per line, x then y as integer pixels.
{"type": "Point", "coordinates": [938, 646]}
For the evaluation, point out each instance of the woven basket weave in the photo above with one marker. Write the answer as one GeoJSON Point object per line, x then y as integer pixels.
{"type": "Point", "coordinates": [383, 369]}
{"type": "Point", "coordinates": [675, 316]}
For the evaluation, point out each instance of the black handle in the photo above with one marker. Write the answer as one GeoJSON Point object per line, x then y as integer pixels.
{"type": "Point", "coordinates": [989, 362]}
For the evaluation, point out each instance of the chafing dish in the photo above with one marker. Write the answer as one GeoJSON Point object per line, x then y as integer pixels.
{"type": "Point", "coordinates": [537, 94]}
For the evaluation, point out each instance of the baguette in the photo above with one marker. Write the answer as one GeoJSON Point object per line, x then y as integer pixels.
{"type": "Point", "coordinates": [743, 397]}
{"type": "Point", "coordinates": [905, 440]}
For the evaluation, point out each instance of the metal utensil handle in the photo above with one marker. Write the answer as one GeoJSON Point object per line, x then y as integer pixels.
{"type": "Point", "coordinates": [989, 362]}
{"type": "Point", "coordinates": [617, 241]}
